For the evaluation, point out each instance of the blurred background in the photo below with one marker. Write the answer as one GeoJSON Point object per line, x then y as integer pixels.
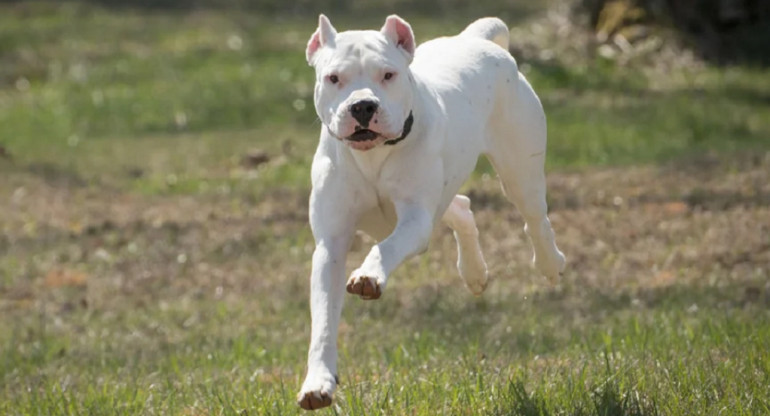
{"type": "Point", "coordinates": [154, 247]}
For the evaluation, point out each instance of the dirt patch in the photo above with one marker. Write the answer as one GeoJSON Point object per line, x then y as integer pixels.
{"type": "Point", "coordinates": [624, 230]}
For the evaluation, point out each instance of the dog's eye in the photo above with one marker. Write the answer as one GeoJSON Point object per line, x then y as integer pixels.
{"type": "Point", "coordinates": [334, 79]}
{"type": "Point", "coordinates": [388, 75]}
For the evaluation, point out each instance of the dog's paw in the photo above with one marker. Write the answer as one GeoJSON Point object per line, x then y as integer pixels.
{"type": "Point", "coordinates": [551, 266]}
{"type": "Point", "coordinates": [317, 391]}
{"type": "Point", "coordinates": [477, 286]}
{"type": "Point", "coordinates": [366, 285]}
{"type": "Point", "coordinates": [474, 274]}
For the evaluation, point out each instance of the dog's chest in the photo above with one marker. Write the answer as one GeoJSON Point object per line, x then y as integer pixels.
{"type": "Point", "coordinates": [374, 188]}
{"type": "Point", "coordinates": [370, 164]}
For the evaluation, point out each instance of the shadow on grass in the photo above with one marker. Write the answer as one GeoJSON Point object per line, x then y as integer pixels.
{"type": "Point", "coordinates": [606, 399]}
{"type": "Point", "coordinates": [56, 175]}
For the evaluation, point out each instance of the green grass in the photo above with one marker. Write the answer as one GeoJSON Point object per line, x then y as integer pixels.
{"type": "Point", "coordinates": [451, 354]}
{"type": "Point", "coordinates": [145, 269]}
{"type": "Point", "coordinates": [78, 79]}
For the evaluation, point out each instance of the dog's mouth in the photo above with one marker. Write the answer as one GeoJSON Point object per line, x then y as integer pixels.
{"type": "Point", "coordinates": [363, 135]}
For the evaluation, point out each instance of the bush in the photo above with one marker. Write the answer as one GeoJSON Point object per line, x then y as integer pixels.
{"type": "Point", "coordinates": [724, 31]}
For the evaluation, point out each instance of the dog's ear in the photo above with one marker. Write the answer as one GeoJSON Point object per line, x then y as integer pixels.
{"type": "Point", "coordinates": [398, 31]}
{"type": "Point", "coordinates": [322, 36]}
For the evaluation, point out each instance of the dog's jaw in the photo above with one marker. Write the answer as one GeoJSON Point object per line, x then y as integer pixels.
{"type": "Point", "coordinates": [366, 139]}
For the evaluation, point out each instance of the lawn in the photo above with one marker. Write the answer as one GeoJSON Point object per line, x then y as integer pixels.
{"type": "Point", "coordinates": [155, 252]}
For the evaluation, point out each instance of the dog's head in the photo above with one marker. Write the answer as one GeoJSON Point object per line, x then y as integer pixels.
{"type": "Point", "coordinates": [363, 90]}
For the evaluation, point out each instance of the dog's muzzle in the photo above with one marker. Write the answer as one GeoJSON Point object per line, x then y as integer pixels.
{"type": "Point", "coordinates": [365, 135]}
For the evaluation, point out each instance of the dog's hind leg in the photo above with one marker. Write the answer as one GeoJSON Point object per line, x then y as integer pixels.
{"type": "Point", "coordinates": [516, 149]}
{"type": "Point", "coordinates": [470, 260]}
{"type": "Point", "coordinates": [523, 183]}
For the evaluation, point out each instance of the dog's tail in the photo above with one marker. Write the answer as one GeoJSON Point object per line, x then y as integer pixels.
{"type": "Point", "coordinates": [490, 28]}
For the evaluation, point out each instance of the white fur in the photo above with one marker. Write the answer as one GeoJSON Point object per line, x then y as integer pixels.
{"type": "Point", "coordinates": [467, 98]}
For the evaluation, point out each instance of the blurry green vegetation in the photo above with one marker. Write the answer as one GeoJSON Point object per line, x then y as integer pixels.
{"type": "Point", "coordinates": [300, 8]}
{"type": "Point", "coordinates": [76, 81]}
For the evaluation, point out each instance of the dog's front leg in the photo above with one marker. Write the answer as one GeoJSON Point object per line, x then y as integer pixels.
{"type": "Point", "coordinates": [327, 290]}
{"type": "Point", "coordinates": [410, 237]}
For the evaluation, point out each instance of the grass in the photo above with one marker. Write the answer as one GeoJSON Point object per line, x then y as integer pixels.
{"type": "Point", "coordinates": [147, 267]}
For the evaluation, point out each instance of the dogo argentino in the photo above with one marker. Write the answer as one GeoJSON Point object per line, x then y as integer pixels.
{"type": "Point", "coordinates": [402, 130]}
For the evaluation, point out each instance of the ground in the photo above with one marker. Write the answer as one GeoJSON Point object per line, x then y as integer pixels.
{"type": "Point", "coordinates": [155, 252]}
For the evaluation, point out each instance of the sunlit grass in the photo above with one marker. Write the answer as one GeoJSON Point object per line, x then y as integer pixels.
{"type": "Point", "coordinates": [148, 267]}
{"type": "Point", "coordinates": [68, 82]}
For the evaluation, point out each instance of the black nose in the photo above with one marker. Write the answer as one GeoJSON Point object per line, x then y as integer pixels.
{"type": "Point", "coordinates": [363, 111]}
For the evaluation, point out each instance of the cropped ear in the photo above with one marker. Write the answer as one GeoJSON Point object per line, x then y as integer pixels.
{"type": "Point", "coordinates": [322, 36]}
{"type": "Point", "coordinates": [398, 31]}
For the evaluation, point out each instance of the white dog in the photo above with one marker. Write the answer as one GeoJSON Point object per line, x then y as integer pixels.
{"type": "Point", "coordinates": [402, 130]}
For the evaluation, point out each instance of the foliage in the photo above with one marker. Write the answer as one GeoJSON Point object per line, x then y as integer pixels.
{"type": "Point", "coordinates": [724, 31]}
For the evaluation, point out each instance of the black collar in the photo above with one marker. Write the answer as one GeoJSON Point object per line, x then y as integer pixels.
{"type": "Point", "coordinates": [407, 128]}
